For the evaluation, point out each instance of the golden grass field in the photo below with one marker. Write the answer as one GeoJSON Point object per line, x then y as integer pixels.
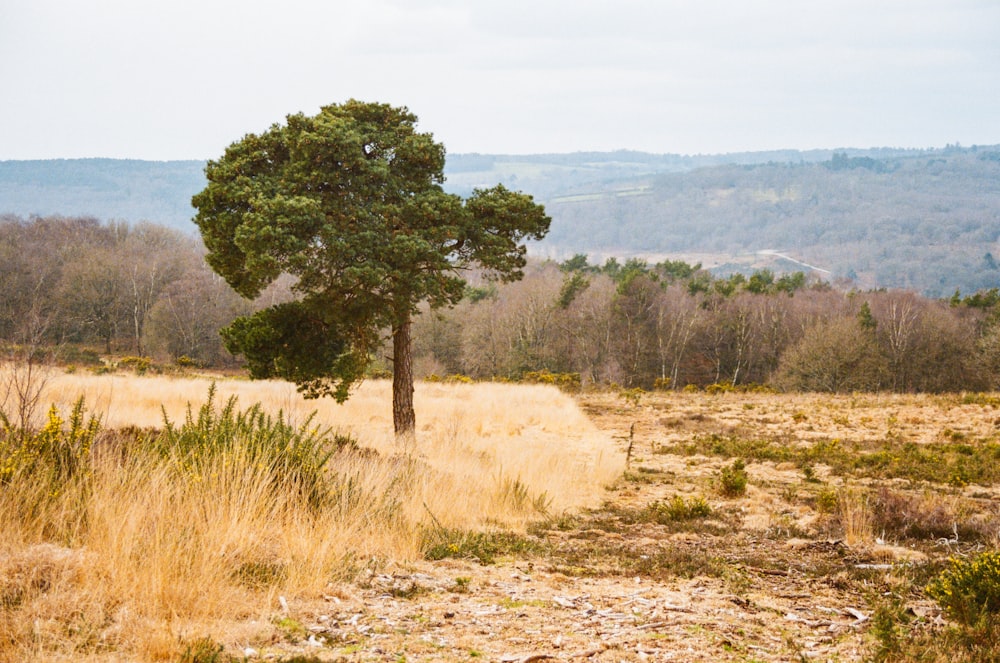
{"type": "Point", "coordinates": [152, 555]}
{"type": "Point", "coordinates": [851, 505]}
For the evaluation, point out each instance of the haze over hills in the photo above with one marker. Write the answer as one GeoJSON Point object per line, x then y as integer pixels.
{"type": "Point", "coordinates": [927, 220]}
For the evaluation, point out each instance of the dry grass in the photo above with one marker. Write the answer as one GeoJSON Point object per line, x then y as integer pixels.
{"type": "Point", "coordinates": [142, 559]}
{"type": "Point", "coordinates": [855, 517]}
{"type": "Point", "coordinates": [474, 441]}
{"type": "Point", "coordinates": [140, 554]}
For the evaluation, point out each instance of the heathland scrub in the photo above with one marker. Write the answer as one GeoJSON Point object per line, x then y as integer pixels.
{"type": "Point", "coordinates": [849, 508]}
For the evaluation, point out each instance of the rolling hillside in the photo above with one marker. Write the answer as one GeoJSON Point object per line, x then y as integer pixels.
{"type": "Point", "coordinates": [927, 220]}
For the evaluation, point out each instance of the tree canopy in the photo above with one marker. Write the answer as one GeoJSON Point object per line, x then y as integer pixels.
{"type": "Point", "coordinates": [350, 203]}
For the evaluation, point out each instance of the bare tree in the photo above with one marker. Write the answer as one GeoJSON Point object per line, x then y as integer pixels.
{"type": "Point", "coordinates": [834, 356]}
{"type": "Point", "coordinates": [586, 332]}
{"type": "Point", "coordinates": [677, 316]}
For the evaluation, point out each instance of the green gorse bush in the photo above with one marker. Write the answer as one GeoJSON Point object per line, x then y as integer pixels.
{"type": "Point", "coordinates": [969, 589]}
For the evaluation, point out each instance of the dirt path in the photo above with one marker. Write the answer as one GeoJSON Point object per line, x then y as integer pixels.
{"type": "Point", "coordinates": [759, 579]}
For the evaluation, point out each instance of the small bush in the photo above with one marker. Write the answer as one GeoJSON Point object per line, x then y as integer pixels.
{"type": "Point", "coordinates": [986, 400]}
{"type": "Point", "coordinates": [58, 451]}
{"type": "Point", "coordinates": [187, 362]}
{"type": "Point", "coordinates": [969, 590]}
{"type": "Point", "coordinates": [484, 547]}
{"type": "Point", "coordinates": [569, 382]}
{"type": "Point", "coordinates": [633, 395]}
{"type": "Point", "coordinates": [720, 387]}
{"type": "Point", "coordinates": [140, 365]}
{"type": "Point", "coordinates": [733, 479]}
{"type": "Point", "coordinates": [661, 384]}
{"type": "Point", "coordinates": [889, 627]}
{"type": "Point", "coordinates": [827, 500]}
{"type": "Point", "coordinates": [297, 456]}
{"type": "Point", "coordinates": [677, 509]}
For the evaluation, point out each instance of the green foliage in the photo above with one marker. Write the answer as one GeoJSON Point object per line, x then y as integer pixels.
{"type": "Point", "coordinates": [969, 590]}
{"type": "Point", "coordinates": [187, 362]}
{"type": "Point", "coordinates": [866, 319]}
{"type": "Point", "coordinates": [60, 450]}
{"type": "Point", "coordinates": [565, 381]}
{"type": "Point", "coordinates": [350, 203]}
{"type": "Point", "coordinates": [662, 384]}
{"type": "Point", "coordinates": [720, 387]}
{"type": "Point", "coordinates": [72, 354]}
{"type": "Point", "coordinates": [612, 268]}
{"type": "Point", "coordinates": [455, 378]}
{"type": "Point", "coordinates": [292, 628]}
{"type": "Point", "coordinates": [138, 365]}
{"type": "Point", "coordinates": [840, 161]}
{"type": "Point", "coordinates": [204, 650]}
{"type": "Point", "coordinates": [790, 283]}
{"type": "Point", "coordinates": [733, 479]}
{"type": "Point", "coordinates": [476, 294]}
{"type": "Point", "coordinates": [577, 263]}
{"type": "Point", "coordinates": [899, 638]}
{"type": "Point", "coordinates": [726, 387]}
{"type": "Point", "coordinates": [760, 282]}
{"type": "Point", "coordinates": [632, 396]}
{"type": "Point", "coordinates": [889, 628]}
{"type": "Point", "coordinates": [513, 494]}
{"type": "Point", "coordinates": [677, 270]}
{"type": "Point", "coordinates": [701, 282]}
{"type": "Point", "coordinates": [978, 398]}
{"type": "Point", "coordinates": [984, 299]}
{"type": "Point", "coordinates": [573, 284]}
{"type": "Point", "coordinates": [827, 501]}
{"type": "Point", "coordinates": [296, 455]}
{"type": "Point", "coordinates": [677, 509]}
{"type": "Point", "coordinates": [296, 342]}
{"type": "Point", "coordinates": [484, 547]}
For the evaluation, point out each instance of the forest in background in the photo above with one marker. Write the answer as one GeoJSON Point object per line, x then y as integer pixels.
{"type": "Point", "coordinates": [98, 293]}
{"type": "Point", "coordinates": [924, 220]}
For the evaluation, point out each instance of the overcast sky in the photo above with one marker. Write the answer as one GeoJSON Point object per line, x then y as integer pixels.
{"type": "Point", "coordinates": [181, 79]}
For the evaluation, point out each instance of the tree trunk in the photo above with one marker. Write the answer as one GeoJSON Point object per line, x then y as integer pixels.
{"type": "Point", "coordinates": [403, 418]}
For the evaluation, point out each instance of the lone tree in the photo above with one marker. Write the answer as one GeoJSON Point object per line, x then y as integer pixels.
{"type": "Point", "coordinates": [349, 202]}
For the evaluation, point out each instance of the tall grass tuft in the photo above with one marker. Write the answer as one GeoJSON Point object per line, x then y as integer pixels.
{"type": "Point", "coordinates": [855, 514]}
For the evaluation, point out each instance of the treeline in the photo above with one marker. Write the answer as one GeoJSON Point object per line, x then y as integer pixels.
{"type": "Point", "coordinates": [115, 288]}
{"type": "Point", "coordinates": [145, 291]}
{"type": "Point", "coordinates": [670, 325]}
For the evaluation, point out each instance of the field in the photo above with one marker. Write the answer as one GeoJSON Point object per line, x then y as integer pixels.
{"type": "Point", "coordinates": [525, 525]}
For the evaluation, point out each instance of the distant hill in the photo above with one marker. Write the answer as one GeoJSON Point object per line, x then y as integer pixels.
{"type": "Point", "coordinates": [928, 220]}
{"type": "Point", "coordinates": [130, 190]}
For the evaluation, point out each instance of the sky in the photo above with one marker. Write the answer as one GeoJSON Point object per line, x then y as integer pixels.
{"type": "Point", "coordinates": [182, 79]}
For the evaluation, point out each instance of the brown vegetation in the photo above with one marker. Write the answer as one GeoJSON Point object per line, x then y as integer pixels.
{"type": "Point", "coordinates": [95, 294]}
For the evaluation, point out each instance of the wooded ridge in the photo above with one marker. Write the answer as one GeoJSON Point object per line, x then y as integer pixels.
{"type": "Point", "coordinates": [926, 220]}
